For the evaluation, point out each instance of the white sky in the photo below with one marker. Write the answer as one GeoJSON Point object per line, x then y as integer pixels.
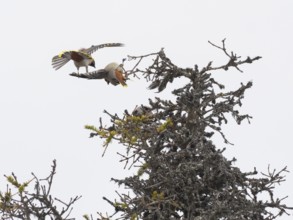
{"type": "Point", "coordinates": [43, 111]}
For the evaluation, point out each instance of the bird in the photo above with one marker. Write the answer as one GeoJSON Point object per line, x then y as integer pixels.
{"type": "Point", "coordinates": [113, 74]}
{"type": "Point", "coordinates": [142, 110]}
{"type": "Point", "coordinates": [81, 57]}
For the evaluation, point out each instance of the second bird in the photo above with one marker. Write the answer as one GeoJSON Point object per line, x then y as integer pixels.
{"type": "Point", "coordinates": [81, 57]}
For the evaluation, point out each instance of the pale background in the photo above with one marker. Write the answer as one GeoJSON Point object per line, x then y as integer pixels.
{"type": "Point", "coordinates": [43, 111]}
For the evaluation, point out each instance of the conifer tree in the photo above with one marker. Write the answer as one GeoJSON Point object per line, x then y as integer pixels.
{"type": "Point", "coordinates": [182, 174]}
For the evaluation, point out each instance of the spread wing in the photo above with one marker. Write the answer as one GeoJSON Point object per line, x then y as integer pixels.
{"type": "Point", "coordinates": [98, 74]}
{"type": "Point", "coordinates": [64, 57]}
{"type": "Point", "coordinates": [94, 48]}
{"type": "Point", "coordinates": [60, 60]}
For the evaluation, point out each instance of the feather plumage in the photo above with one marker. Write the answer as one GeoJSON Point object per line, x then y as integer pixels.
{"type": "Point", "coordinates": [81, 57]}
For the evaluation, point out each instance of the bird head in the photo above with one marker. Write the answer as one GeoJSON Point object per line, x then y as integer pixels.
{"type": "Point", "coordinates": [93, 64]}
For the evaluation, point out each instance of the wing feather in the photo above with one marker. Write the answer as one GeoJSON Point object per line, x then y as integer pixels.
{"type": "Point", "coordinates": [94, 48]}
{"type": "Point", "coordinates": [98, 74]}
{"type": "Point", "coordinates": [60, 60]}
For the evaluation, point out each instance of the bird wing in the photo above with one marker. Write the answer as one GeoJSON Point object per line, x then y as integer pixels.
{"type": "Point", "coordinates": [98, 74]}
{"type": "Point", "coordinates": [64, 57]}
{"type": "Point", "coordinates": [94, 48]}
{"type": "Point", "coordinates": [60, 60]}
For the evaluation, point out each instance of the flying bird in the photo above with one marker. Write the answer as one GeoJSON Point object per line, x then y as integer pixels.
{"type": "Point", "coordinates": [81, 57]}
{"type": "Point", "coordinates": [113, 73]}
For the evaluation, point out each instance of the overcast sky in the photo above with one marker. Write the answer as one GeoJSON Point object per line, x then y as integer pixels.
{"type": "Point", "coordinates": [43, 111]}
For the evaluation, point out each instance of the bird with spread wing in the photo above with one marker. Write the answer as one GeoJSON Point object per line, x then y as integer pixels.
{"type": "Point", "coordinates": [80, 57]}
{"type": "Point", "coordinates": [113, 73]}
